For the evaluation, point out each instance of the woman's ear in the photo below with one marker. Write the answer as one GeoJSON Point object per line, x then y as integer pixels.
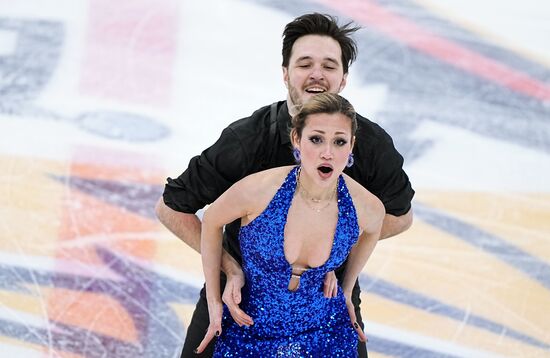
{"type": "Point", "coordinates": [352, 142]}
{"type": "Point", "coordinates": [294, 138]}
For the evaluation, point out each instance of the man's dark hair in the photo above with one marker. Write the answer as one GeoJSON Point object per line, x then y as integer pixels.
{"type": "Point", "coordinates": [324, 25]}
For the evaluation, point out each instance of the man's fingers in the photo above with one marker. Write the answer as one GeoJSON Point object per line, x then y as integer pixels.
{"type": "Point", "coordinates": [241, 317]}
{"type": "Point", "coordinates": [238, 314]}
{"type": "Point", "coordinates": [231, 293]}
{"type": "Point", "coordinates": [232, 298]}
{"type": "Point", "coordinates": [335, 290]}
{"type": "Point", "coordinates": [236, 295]}
{"type": "Point", "coordinates": [329, 286]}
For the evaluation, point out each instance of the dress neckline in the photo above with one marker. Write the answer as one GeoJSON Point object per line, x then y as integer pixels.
{"type": "Point", "coordinates": [293, 175]}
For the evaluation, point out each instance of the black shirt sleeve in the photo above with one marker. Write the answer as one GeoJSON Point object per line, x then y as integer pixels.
{"type": "Point", "coordinates": [208, 175]}
{"type": "Point", "coordinates": [390, 182]}
{"type": "Point", "coordinates": [240, 151]}
{"type": "Point", "coordinates": [379, 168]}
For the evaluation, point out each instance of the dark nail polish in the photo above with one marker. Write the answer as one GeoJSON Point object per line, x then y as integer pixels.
{"type": "Point", "coordinates": [217, 333]}
{"type": "Point", "coordinates": [355, 325]}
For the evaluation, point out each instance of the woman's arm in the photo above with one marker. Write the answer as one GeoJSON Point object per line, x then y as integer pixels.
{"type": "Point", "coordinates": [245, 199]}
{"type": "Point", "coordinates": [233, 204]}
{"type": "Point", "coordinates": [370, 215]}
{"type": "Point", "coordinates": [360, 253]}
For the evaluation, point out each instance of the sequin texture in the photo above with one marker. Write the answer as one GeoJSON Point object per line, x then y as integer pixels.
{"type": "Point", "coordinates": [303, 323]}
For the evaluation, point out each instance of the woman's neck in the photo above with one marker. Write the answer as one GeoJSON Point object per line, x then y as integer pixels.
{"type": "Point", "coordinates": [314, 193]}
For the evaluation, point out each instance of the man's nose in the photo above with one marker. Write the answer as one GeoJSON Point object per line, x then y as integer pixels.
{"type": "Point", "coordinates": [317, 73]}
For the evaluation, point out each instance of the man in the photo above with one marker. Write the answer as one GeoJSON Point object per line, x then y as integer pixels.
{"type": "Point", "coordinates": [316, 57]}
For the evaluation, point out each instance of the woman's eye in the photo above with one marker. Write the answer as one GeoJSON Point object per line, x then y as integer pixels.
{"type": "Point", "coordinates": [315, 139]}
{"type": "Point", "coordinates": [340, 142]}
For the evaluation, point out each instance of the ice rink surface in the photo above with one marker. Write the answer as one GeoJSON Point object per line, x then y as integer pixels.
{"type": "Point", "coordinates": [101, 100]}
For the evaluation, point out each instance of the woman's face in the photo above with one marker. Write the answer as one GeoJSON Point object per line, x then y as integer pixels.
{"type": "Point", "coordinates": [325, 146]}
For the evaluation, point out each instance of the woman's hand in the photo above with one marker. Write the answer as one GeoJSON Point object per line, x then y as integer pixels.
{"type": "Point", "coordinates": [215, 311]}
{"type": "Point", "coordinates": [353, 318]}
{"type": "Point", "coordinates": [232, 298]}
{"type": "Point", "coordinates": [330, 285]}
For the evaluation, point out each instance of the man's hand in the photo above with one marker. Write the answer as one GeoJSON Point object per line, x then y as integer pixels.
{"type": "Point", "coordinates": [232, 298]}
{"type": "Point", "coordinates": [330, 285]}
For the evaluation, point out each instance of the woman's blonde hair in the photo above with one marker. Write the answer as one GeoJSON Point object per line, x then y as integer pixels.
{"type": "Point", "coordinates": [323, 103]}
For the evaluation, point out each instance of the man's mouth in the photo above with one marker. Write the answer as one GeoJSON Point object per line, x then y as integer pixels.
{"type": "Point", "coordinates": [315, 90]}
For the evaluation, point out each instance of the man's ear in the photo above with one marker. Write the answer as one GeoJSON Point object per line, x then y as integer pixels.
{"type": "Point", "coordinates": [285, 76]}
{"type": "Point", "coordinates": [343, 83]}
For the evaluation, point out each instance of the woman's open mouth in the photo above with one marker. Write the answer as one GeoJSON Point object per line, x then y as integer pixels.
{"type": "Point", "coordinates": [325, 171]}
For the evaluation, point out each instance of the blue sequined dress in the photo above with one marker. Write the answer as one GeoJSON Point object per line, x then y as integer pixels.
{"type": "Point", "coordinates": [302, 323]}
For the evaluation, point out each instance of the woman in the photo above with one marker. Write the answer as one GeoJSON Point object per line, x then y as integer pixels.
{"type": "Point", "coordinates": [297, 224]}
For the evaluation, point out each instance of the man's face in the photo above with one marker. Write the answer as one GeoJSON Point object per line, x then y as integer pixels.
{"type": "Point", "coordinates": [315, 66]}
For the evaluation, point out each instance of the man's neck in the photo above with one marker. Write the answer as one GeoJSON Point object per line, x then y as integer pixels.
{"type": "Point", "coordinates": [290, 106]}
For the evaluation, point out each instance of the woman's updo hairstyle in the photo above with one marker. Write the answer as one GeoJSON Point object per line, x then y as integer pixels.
{"type": "Point", "coordinates": [323, 103]}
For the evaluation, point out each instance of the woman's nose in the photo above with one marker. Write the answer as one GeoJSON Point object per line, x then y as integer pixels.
{"type": "Point", "coordinates": [327, 152]}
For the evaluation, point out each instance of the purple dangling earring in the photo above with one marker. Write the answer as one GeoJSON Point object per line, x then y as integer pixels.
{"type": "Point", "coordinates": [350, 160]}
{"type": "Point", "coordinates": [296, 154]}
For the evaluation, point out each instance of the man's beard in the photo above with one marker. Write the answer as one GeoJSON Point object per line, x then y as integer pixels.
{"type": "Point", "coordinates": [294, 96]}
{"type": "Point", "coordinates": [296, 100]}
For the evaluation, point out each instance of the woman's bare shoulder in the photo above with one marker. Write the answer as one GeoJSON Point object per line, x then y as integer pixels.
{"type": "Point", "coordinates": [258, 189]}
{"type": "Point", "coordinates": [370, 209]}
{"type": "Point", "coordinates": [266, 178]}
{"type": "Point", "coordinates": [263, 185]}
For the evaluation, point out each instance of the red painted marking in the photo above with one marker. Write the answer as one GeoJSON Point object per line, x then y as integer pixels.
{"type": "Point", "coordinates": [368, 12]}
{"type": "Point", "coordinates": [130, 50]}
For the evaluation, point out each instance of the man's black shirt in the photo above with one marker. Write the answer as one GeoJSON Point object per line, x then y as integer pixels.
{"type": "Point", "coordinates": [246, 147]}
